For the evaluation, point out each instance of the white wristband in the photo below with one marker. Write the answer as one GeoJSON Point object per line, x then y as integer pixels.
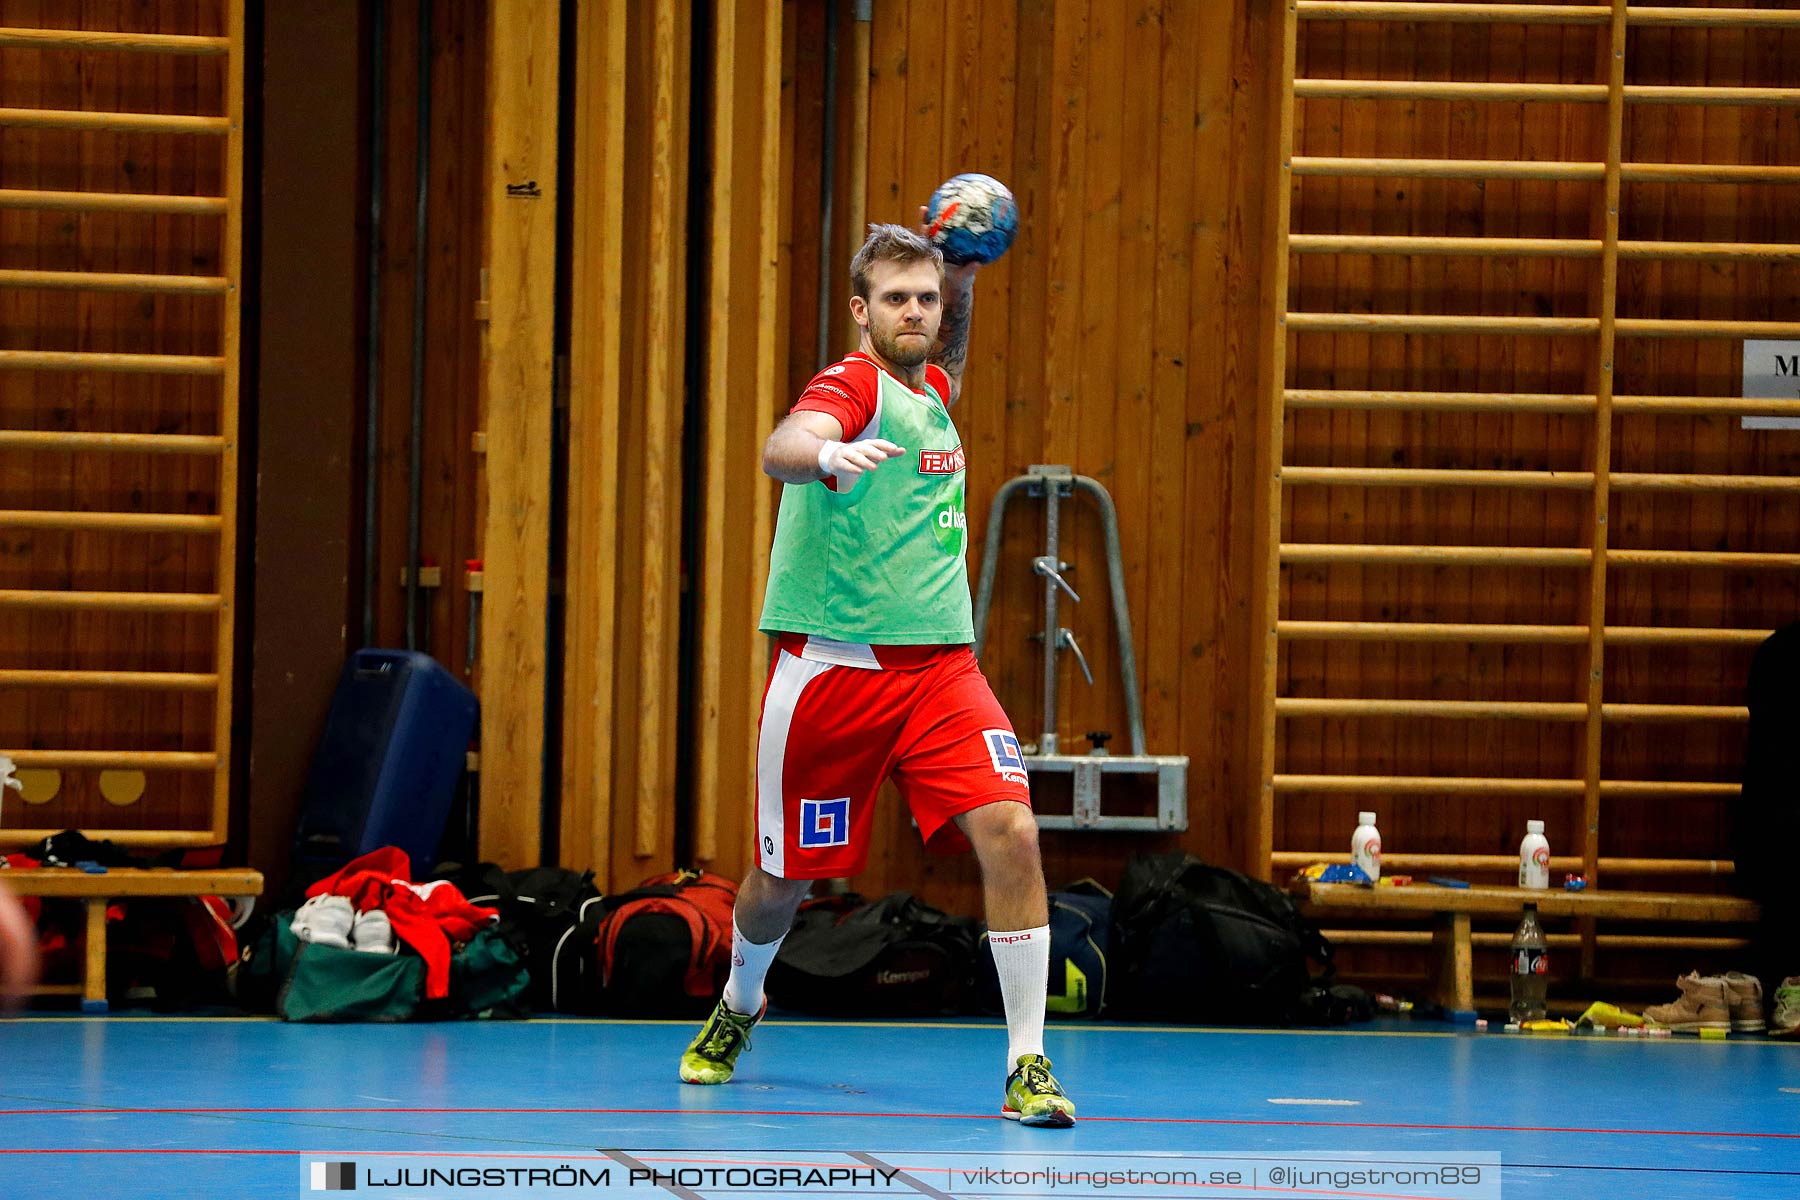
{"type": "Point", "coordinates": [825, 452]}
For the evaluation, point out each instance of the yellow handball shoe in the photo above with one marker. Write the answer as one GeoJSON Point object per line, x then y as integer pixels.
{"type": "Point", "coordinates": [1033, 1097]}
{"type": "Point", "coordinates": [712, 1055]}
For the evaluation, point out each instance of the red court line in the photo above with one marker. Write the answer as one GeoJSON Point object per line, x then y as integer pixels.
{"type": "Point", "coordinates": [932, 1116]}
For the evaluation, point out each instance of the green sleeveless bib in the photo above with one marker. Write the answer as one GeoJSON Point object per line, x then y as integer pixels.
{"type": "Point", "coordinates": [882, 563]}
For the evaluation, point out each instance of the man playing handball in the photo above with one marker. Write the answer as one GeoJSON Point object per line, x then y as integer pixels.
{"type": "Point", "coordinates": [874, 677]}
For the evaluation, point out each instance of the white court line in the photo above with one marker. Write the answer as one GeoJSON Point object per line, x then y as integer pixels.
{"type": "Point", "coordinates": [1314, 1103]}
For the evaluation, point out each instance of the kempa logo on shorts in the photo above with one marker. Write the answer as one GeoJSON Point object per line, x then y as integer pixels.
{"type": "Point", "coordinates": [825, 822]}
{"type": "Point", "coordinates": [1003, 750]}
{"type": "Point", "coordinates": [942, 462]}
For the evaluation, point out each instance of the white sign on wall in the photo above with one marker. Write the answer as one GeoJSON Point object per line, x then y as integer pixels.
{"type": "Point", "coordinates": [1772, 372]}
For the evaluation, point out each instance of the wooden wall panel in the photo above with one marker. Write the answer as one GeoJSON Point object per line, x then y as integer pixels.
{"type": "Point", "coordinates": [596, 389]}
{"type": "Point", "coordinates": [308, 390]}
{"type": "Point", "coordinates": [517, 400]}
{"type": "Point", "coordinates": [1118, 336]}
{"type": "Point", "coordinates": [450, 513]}
{"type": "Point", "coordinates": [627, 390]}
{"type": "Point", "coordinates": [742, 364]}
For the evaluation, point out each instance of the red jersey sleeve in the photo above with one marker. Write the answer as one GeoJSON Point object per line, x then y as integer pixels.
{"type": "Point", "coordinates": [846, 390]}
{"type": "Point", "coordinates": [938, 380]}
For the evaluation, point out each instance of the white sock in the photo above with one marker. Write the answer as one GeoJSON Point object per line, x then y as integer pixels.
{"type": "Point", "coordinates": [750, 966]}
{"type": "Point", "coordinates": [1022, 958]}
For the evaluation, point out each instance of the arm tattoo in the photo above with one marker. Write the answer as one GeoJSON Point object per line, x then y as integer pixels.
{"type": "Point", "coordinates": [952, 352]}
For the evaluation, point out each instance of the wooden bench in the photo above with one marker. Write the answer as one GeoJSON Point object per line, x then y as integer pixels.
{"type": "Point", "coordinates": [1451, 910]}
{"type": "Point", "coordinates": [101, 889]}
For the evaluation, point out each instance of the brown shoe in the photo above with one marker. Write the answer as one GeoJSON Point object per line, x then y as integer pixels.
{"type": "Point", "coordinates": [1744, 995]}
{"type": "Point", "coordinates": [1703, 1005]}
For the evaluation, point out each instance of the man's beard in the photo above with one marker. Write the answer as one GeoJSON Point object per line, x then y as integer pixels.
{"type": "Point", "coordinates": [907, 352]}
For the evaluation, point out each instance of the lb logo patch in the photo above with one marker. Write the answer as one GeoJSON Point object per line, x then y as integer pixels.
{"type": "Point", "coordinates": [824, 822]}
{"type": "Point", "coordinates": [1004, 752]}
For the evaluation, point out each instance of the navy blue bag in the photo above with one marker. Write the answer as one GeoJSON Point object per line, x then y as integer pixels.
{"type": "Point", "coordinates": [1080, 930]}
{"type": "Point", "coordinates": [394, 747]}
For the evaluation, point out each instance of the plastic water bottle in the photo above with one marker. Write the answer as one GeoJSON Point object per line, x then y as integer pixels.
{"type": "Point", "coordinates": [1534, 857]}
{"type": "Point", "coordinates": [1365, 846]}
{"type": "Point", "coordinates": [1530, 967]}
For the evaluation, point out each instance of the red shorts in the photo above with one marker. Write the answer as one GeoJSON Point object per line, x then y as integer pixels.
{"type": "Point", "coordinates": [831, 733]}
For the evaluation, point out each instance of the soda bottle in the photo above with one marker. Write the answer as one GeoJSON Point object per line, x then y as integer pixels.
{"type": "Point", "coordinates": [1530, 966]}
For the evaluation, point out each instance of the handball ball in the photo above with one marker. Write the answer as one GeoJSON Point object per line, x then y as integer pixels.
{"type": "Point", "coordinates": [972, 219]}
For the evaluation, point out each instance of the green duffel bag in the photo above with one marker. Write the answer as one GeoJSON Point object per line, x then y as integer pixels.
{"type": "Point", "coordinates": [488, 979]}
{"type": "Point", "coordinates": [326, 983]}
{"type": "Point", "coordinates": [307, 981]}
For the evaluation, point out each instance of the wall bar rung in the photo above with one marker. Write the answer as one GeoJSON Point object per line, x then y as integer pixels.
{"type": "Point", "coordinates": [1713, 97]}
{"type": "Point", "coordinates": [79, 360]}
{"type": "Point", "coordinates": [147, 602]}
{"type": "Point", "coordinates": [1423, 785]}
{"type": "Point", "coordinates": [1649, 327]}
{"type": "Point", "coordinates": [1710, 251]}
{"type": "Point", "coordinates": [1650, 635]}
{"type": "Point", "coordinates": [107, 760]}
{"type": "Point", "coordinates": [1460, 710]}
{"type": "Point", "coordinates": [1637, 713]}
{"type": "Point", "coordinates": [135, 202]}
{"type": "Point", "coordinates": [1642, 482]}
{"type": "Point", "coordinates": [1637, 789]}
{"type": "Point", "coordinates": [132, 443]}
{"type": "Point", "coordinates": [1426, 862]}
{"type": "Point", "coordinates": [111, 122]}
{"type": "Point", "coordinates": [1443, 168]}
{"type": "Point", "coordinates": [1430, 631]}
{"type": "Point", "coordinates": [1649, 172]}
{"type": "Point", "coordinates": [1509, 863]}
{"type": "Point", "coordinates": [1429, 477]}
{"type": "Point", "coordinates": [137, 681]}
{"type": "Point", "coordinates": [1731, 560]}
{"type": "Point", "coordinates": [1437, 556]}
{"type": "Point", "coordinates": [1638, 14]}
{"type": "Point", "coordinates": [98, 281]}
{"type": "Point", "coordinates": [1431, 89]}
{"type": "Point", "coordinates": [1705, 405]}
{"type": "Point", "coordinates": [161, 839]}
{"type": "Point", "coordinates": [1484, 247]}
{"type": "Point", "coordinates": [108, 522]}
{"type": "Point", "coordinates": [1556, 941]}
{"type": "Point", "coordinates": [1509, 402]}
{"type": "Point", "coordinates": [1428, 785]}
{"type": "Point", "coordinates": [1324, 322]}
{"type": "Point", "coordinates": [84, 39]}
{"type": "Point", "coordinates": [1514, 14]}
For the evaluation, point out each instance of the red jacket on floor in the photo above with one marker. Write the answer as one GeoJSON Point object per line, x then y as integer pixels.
{"type": "Point", "coordinates": [427, 916]}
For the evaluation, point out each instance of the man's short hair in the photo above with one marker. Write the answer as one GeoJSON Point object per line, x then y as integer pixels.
{"type": "Point", "coordinates": [895, 244]}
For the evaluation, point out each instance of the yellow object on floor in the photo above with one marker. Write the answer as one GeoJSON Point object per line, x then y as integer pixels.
{"type": "Point", "coordinates": [1551, 1026]}
{"type": "Point", "coordinates": [1609, 1016]}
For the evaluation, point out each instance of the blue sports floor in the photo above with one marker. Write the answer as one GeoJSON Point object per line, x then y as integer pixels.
{"type": "Point", "coordinates": [138, 1106]}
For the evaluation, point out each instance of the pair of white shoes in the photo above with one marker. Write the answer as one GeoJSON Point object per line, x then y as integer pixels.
{"type": "Point", "coordinates": [330, 921]}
